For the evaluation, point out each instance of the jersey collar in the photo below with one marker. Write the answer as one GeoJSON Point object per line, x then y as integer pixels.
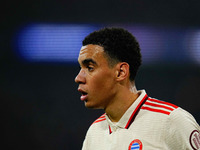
{"type": "Point", "coordinates": [129, 116]}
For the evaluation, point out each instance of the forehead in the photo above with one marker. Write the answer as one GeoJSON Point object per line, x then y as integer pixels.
{"type": "Point", "coordinates": [94, 52]}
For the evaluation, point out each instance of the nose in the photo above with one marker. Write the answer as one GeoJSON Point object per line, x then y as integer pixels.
{"type": "Point", "coordinates": [80, 78]}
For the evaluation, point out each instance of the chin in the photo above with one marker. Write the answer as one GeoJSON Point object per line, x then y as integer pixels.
{"type": "Point", "coordinates": [87, 105]}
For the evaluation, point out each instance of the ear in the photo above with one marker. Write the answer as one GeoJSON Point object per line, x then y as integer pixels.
{"type": "Point", "coordinates": [122, 71]}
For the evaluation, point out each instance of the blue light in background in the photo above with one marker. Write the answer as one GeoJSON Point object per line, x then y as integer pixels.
{"type": "Point", "coordinates": [192, 42]}
{"type": "Point", "coordinates": [151, 42]}
{"type": "Point", "coordinates": [52, 42]}
{"type": "Point", "coordinates": [62, 42]}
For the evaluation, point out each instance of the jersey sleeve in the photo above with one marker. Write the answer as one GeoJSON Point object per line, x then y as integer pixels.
{"type": "Point", "coordinates": [183, 132]}
{"type": "Point", "coordinates": [87, 143]}
{"type": "Point", "coordinates": [84, 147]}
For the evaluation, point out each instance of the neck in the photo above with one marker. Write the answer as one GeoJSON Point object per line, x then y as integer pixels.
{"type": "Point", "coordinates": [123, 100]}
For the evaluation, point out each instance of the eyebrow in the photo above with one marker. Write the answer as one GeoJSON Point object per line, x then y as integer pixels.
{"type": "Point", "coordinates": [88, 60]}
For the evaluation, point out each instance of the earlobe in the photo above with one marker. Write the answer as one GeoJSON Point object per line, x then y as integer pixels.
{"type": "Point", "coordinates": [123, 71]}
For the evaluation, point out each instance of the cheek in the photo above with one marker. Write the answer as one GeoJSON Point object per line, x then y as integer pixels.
{"type": "Point", "coordinates": [97, 84]}
{"type": "Point", "coordinates": [102, 83]}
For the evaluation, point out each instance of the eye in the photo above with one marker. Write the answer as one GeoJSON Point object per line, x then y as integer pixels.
{"type": "Point", "coordinates": [90, 68]}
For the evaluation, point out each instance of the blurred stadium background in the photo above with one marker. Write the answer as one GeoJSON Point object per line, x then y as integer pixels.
{"type": "Point", "coordinates": [40, 41]}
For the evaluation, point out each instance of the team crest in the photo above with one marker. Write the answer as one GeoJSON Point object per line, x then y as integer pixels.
{"type": "Point", "coordinates": [135, 145]}
{"type": "Point", "coordinates": [195, 140]}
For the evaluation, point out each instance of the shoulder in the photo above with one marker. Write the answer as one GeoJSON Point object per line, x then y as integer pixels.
{"type": "Point", "coordinates": [98, 125]}
{"type": "Point", "coordinates": [97, 130]}
{"type": "Point", "coordinates": [183, 119]}
{"type": "Point", "coordinates": [158, 107]}
{"type": "Point", "coordinates": [176, 123]}
{"type": "Point", "coordinates": [100, 119]}
{"type": "Point", "coordinates": [156, 114]}
{"type": "Point", "coordinates": [172, 113]}
{"type": "Point", "coordinates": [184, 129]}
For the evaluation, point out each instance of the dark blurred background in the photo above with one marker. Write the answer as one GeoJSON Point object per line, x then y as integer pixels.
{"type": "Point", "coordinates": [41, 109]}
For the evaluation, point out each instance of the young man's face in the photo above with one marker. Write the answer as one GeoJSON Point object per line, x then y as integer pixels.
{"type": "Point", "coordinates": [96, 79]}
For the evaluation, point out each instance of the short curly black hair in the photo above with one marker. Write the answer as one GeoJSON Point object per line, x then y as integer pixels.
{"type": "Point", "coordinates": [120, 46]}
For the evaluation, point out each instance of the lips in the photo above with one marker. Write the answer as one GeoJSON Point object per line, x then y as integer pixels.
{"type": "Point", "coordinates": [84, 95]}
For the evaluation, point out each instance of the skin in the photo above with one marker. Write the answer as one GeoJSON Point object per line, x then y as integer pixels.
{"type": "Point", "coordinates": [102, 86]}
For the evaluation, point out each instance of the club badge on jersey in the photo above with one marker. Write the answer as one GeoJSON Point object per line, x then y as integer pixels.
{"type": "Point", "coordinates": [195, 140]}
{"type": "Point", "coordinates": [135, 145]}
